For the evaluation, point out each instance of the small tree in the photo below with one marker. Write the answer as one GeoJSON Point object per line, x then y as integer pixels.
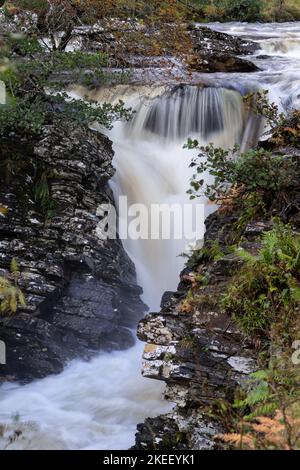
{"type": "Point", "coordinates": [57, 19]}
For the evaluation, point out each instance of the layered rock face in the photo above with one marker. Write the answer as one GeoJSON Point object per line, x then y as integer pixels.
{"type": "Point", "coordinates": [81, 292]}
{"type": "Point", "coordinates": [197, 350]}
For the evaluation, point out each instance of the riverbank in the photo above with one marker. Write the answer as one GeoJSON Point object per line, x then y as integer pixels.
{"type": "Point", "coordinates": [250, 11]}
{"type": "Point", "coordinates": [203, 355]}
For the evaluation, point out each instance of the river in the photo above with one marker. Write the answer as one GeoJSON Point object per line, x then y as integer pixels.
{"type": "Point", "coordinates": [97, 404]}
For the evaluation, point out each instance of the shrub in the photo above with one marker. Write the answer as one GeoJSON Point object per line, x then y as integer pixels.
{"type": "Point", "coordinates": [284, 129]}
{"type": "Point", "coordinates": [232, 10]}
{"type": "Point", "coordinates": [210, 252]}
{"type": "Point", "coordinates": [11, 296]}
{"type": "Point", "coordinates": [28, 105]}
{"type": "Point", "coordinates": [281, 10]}
{"type": "Point", "coordinates": [265, 295]}
{"type": "Point", "coordinates": [247, 10]}
{"type": "Point", "coordinates": [259, 180]}
{"type": "Point", "coordinates": [253, 171]}
{"type": "Point", "coordinates": [264, 300]}
{"type": "Point", "coordinates": [270, 409]}
{"type": "Point", "coordinates": [242, 10]}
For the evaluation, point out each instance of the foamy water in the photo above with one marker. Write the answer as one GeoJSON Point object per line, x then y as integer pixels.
{"type": "Point", "coordinates": [91, 405]}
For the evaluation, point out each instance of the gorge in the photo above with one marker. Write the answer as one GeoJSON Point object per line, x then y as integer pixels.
{"type": "Point", "coordinates": [98, 402]}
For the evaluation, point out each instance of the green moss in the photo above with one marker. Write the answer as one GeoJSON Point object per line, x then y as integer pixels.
{"type": "Point", "coordinates": [206, 301]}
{"type": "Point", "coordinates": [189, 342]}
{"type": "Point", "coordinates": [168, 357]}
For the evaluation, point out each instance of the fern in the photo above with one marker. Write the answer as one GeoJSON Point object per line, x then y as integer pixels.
{"type": "Point", "coordinates": [257, 395]}
{"type": "Point", "coordinates": [3, 210]}
{"type": "Point", "coordinates": [266, 409]}
{"type": "Point", "coordinates": [11, 296]}
{"type": "Point", "coordinates": [266, 291]}
{"type": "Point", "coordinates": [245, 255]}
{"type": "Point", "coordinates": [270, 410]}
{"type": "Point", "coordinates": [281, 432]}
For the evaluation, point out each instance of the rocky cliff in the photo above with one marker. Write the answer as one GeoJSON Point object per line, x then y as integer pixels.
{"type": "Point", "coordinates": [193, 344]}
{"type": "Point", "coordinates": [196, 349]}
{"type": "Point", "coordinates": [81, 292]}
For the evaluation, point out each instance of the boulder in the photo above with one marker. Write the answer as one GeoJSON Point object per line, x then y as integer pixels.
{"type": "Point", "coordinates": [207, 39]}
{"type": "Point", "coordinates": [219, 52]}
{"type": "Point", "coordinates": [221, 62]}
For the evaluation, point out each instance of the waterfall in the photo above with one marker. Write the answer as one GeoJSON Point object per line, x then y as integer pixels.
{"type": "Point", "coordinates": [153, 168]}
{"type": "Point", "coordinates": [278, 59]}
{"type": "Point", "coordinates": [192, 110]}
{"type": "Point", "coordinates": [207, 113]}
{"type": "Point", "coordinates": [97, 404]}
{"type": "Point", "coordinates": [288, 47]}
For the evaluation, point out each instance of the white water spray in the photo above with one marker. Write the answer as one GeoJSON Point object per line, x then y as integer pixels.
{"type": "Point", "coordinates": [153, 168]}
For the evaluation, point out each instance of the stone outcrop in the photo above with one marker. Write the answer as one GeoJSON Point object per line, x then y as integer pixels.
{"type": "Point", "coordinates": [196, 349]}
{"type": "Point", "coordinates": [210, 50]}
{"type": "Point", "coordinates": [208, 39]}
{"type": "Point", "coordinates": [219, 52]}
{"type": "Point", "coordinates": [219, 62]}
{"type": "Point", "coordinates": [81, 292]}
{"type": "Point", "coordinates": [193, 345]}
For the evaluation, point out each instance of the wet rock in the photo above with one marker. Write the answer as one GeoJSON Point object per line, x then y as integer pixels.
{"type": "Point", "coordinates": [221, 62]}
{"type": "Point", "coordinates": [198, 351]}
{"type": "Point", "coordinates": [219, 52]}
{"type": "Point", "coordinates": [262, 57]}
{"type": "Point", "coordinates": [177, 431]}
{"type": "Point", "coordinates": [257, 228]}
{"type": "Point", "coordinates": [81, 292]}
{"type": "Point", "coordinates": [205, 38]}
{"type": "Point", "coordinates": [212, 51]}
{"type": "Point", "coordinates": [160, 433]}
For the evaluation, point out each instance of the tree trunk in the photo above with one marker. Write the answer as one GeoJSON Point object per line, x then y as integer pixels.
{"type": "Point", "coordinates": [67, 36]}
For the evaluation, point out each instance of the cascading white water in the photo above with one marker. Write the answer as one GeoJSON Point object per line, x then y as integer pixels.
{"type": "Point", "coordinates": [191, 110]}
{"type": "Point", "coordinates": [289, 47]}
{"type": "Point", "coordinates": [278, 59]}
{"type": "Point", "coordinates": [153, 168]}
{"type": "Point", "coordinates": [97, 404]}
